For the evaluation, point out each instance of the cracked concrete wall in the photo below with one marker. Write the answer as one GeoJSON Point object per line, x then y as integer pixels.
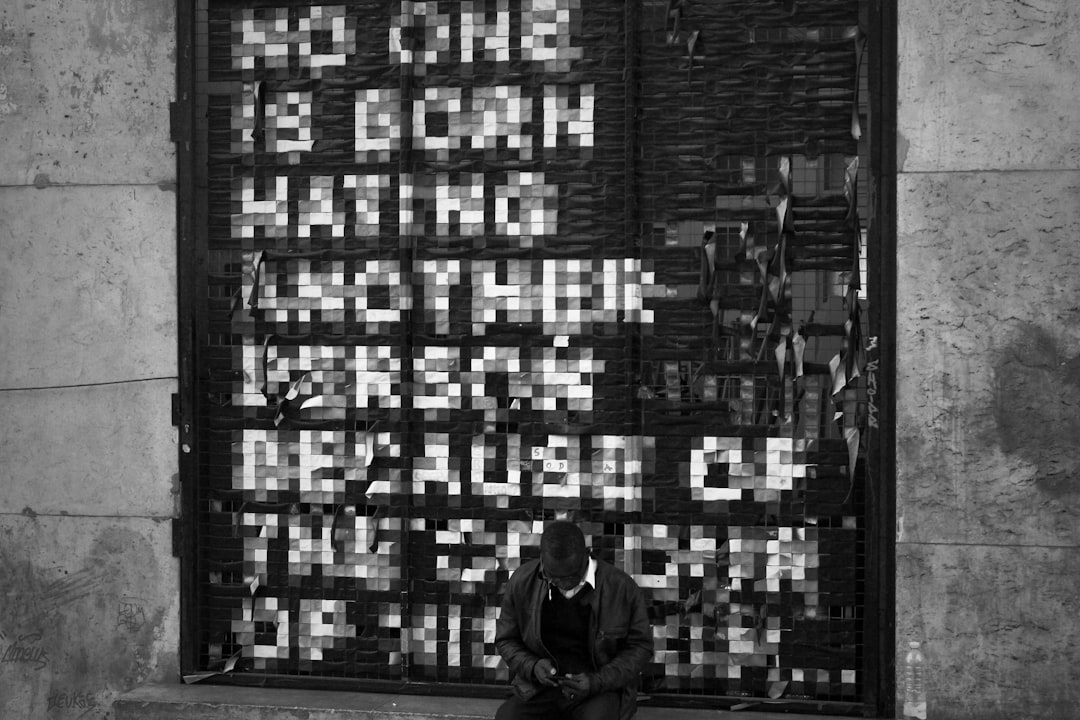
{"type": "Point", "coordinates": [89, 598]}
{"type": "Point", "coordinates": [988, 354]}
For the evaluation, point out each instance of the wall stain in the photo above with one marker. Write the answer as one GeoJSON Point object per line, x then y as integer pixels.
{"type": "Point", "coordinates": [902, 147]}
{"type": "Point", "coordinates": [116, 27]}
{"type": "Point", "coordinates": [1037, 407]}
{"type": "Point", "coordinates": [34, 597]}
{"type": "Point", "coordinates": [74, 637]}
{"type": "Point", "coordinates": [6, 106]}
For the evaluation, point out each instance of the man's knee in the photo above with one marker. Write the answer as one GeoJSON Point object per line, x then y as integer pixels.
{"type": "Point", "coordinates": [604, 706]}
{"type": "Point", "coordinates": [508, 710]}
{"type": "Point", "coordinates": [514, 708]}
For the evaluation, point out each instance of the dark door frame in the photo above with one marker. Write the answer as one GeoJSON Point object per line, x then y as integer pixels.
{"type": "Point", "coordinates": [188, 122]}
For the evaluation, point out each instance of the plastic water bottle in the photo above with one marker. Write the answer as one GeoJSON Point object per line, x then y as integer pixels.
{"type": "Point", "coordinates": [914, 687]}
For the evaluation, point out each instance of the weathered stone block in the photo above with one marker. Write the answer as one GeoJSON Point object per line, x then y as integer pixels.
{"type": "Point", "coordinates": [85, 90]}
{"type": "Point", "coordinates": [89, 609]}
{"type": "Point", "coordinates": [988, 346]}
{"type": "Point", "coordinates": [99, 450]}
{"type": "Point", "coordinates": [988, 85]}
{"type": "Point", "coordinates": [87, 284]}
{"type": "Point", "coordinates": [998, 629]}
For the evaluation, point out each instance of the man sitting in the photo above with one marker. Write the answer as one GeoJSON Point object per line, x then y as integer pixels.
{"type": "Point", "coordinates": [574, 632]}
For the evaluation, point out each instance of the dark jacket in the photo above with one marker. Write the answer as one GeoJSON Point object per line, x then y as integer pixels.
{"type": "Point", "coordinates": [619, 631]}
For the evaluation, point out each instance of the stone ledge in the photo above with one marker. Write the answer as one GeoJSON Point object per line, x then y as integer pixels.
{"type": "Point", "coordinates": [227, 702]}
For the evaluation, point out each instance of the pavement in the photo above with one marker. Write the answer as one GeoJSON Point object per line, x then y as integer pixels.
{"type": "Point", "coordinates": [229, 702]}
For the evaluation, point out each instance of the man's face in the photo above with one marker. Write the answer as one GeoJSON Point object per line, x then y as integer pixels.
{"type": "Point", "coordinates": [565, 574]}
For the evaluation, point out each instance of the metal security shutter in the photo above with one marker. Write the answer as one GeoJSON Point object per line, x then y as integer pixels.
{"type": "Point", "coordinates": [460, 268]}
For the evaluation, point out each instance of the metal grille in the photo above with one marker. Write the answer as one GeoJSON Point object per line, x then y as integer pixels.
{"type": "Point", "coordinates": [472, 266]}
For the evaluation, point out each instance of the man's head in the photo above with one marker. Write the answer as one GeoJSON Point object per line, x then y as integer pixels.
{"type": "Point", "coordinates": [563, 557]}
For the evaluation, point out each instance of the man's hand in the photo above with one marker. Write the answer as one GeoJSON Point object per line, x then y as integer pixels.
{"type": "Point", "coordinates": [576, 687]}
{"type": "Point", "coordinates": [544, 671]}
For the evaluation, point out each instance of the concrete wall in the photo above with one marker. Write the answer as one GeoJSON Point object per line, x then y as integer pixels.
{"type": "Point", "coordinates": [88, 587]}
{"type": "Point", "coordinates": [988, 392]}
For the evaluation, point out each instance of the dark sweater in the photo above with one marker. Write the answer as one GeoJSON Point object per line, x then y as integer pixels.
{"type": "Point", "coordinates": [564, 630]}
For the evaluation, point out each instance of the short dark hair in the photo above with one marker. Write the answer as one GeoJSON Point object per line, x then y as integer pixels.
{"type": "Point", "coordinates": [562, 540]}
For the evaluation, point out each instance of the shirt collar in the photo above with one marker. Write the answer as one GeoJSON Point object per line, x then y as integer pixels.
{"type": "Point", "coordinates": [590, 574]}
{"type": "Point", "coordinates": [589, 579]}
